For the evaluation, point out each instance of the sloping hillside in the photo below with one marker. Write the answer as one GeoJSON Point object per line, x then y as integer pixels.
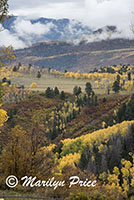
{"type": "Point", "coordinates": [84, 56]}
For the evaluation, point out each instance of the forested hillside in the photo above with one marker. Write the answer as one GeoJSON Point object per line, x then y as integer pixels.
{"type": "Point", "coordinates": [82, 56]}
{"type": "Point", "coordinates": [53, 131]}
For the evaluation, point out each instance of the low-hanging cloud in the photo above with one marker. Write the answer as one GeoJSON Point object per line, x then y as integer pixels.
{"type": "Point", "coordinates": [7, 39]}
{"type": "Point", "coordinates": [25, 27]}
{"type": "Point", "coordinates": [25, 33]}
{"type": "Point", "coordinates": [94, 13]}
{"type": "Point", "coordinates": [31, 33]}
{"type": "Point", "coordinates": [101, 13]}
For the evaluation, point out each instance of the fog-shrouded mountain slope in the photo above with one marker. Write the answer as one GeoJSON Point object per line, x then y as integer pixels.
{"type": "Point", "coordinates": [22, 32]}
{"type": "Point", "coordinates": [83, 56]}
{"type": "Point", "coordinates": [30, 31]}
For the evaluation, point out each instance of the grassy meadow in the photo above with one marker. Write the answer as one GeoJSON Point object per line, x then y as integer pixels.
{"type": "Point", "coordinates": [63, 83]}
{"type": "Point", "coordinates": [48, 80]}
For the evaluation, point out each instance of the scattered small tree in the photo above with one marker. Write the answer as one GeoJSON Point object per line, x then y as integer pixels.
{"type": "Point", "coordinates": [88, 89]}
{"type": "Point", "coordinates": [4, 80]}
{"type": "Point", "coordinates": [108, 89]}
{"type": "Point", "coordinates": [116, 86]}
{"type": "Point", "coordinates": [104, 100]}
{"type": "Point", "coordinates": [33, 85]}
{"type": "Point", "coordinates": [14, 69]}
{"type": "Point", "coordinates": [118, 78]}
{"type": "Point", "coordinates": [38, 74]}
{"type": "Point", "coordinates": [62, 95]}
{"type": "Point", "coordinates": [77, 91]}
{"type": "Point", "coordinates": [49, 92]}
{"type": "Point", "coordinates": [56, 91]}
{"type": "Point", "coordinates": [96, 101]}
{"type": "Point", "coordinates": [129, 76]}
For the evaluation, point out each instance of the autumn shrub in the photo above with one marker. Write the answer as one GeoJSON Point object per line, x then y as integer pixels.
{"type": "Point", "coordinates": [3, 117]}
{"type": "Point", "coordinates": [33, 85]}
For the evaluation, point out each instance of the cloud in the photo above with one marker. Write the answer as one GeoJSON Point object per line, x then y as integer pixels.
{"type": "Point", "coordinates": [31, 32]}
{"type": "Point", "coordinates": [25, 33]}
{"type": "Point", "coordinates": [94, 13]}
{"type": "Point", "coordinates": [74, 29]}
{"type": "Point", "coordinates": [109, 12]}
{"type": "Point", "coordinates": [49, 9]}
{"type": "Point", "coordinates": [6, 38]}
{"type": "Point", "coordinates": [15, 4]}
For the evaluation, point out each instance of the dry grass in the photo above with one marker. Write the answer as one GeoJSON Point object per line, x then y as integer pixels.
{"type": "Point", "coordinates": [66, 84]}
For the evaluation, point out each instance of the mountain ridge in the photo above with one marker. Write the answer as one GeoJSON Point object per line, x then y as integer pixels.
{"type": "Point", "coordinates": [84, 56]}
{"type": "Point", "coordinates": [51, 29]}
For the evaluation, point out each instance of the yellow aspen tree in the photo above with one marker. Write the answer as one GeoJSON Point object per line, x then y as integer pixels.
{"type": "Point", "coordinates": [3, 117]}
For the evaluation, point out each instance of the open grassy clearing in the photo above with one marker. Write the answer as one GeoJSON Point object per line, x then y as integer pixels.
{"type": "Point", "coordinates": [66, 84]}
{"type": "Point", "coordinates": [46, 80]}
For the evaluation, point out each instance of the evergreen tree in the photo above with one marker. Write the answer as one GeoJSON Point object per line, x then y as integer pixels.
{"type": "Point", "coordinates": [116, 86]}
{"type": "Point", "coordinates": [38, 74]}
{"type": "Point", "coordinates": [88, 89]}
{"type": "Point", "coordinates": [121, 113]}
{"type": "Point", "coordinates": [93, 97]}
{"type": "Point", "coordinates": [85, 99]}
{"type": "Point", "coordinates": [49, 92]}
{"type": "Point", "coordinates": [56, 91]}
{"type": "Point", "coordinates": [129, 76]}
{"type": "Point", "coordinates": [108, 89]}
{"type": "Point", "coordinates": [4, 80]}
{"type": "Point", "coordinates": [62, 95]}
{"type": "Point", "coordinates": [118, 78]}
{"type": "Point", "coordinates": [9, 82]}
{"type": "Point", "coordinates": [96, 101]}
{"type": "Point", "coordinates": [79, 102]}
{"type": "Point", "coordinates": [77, 90]}
{"type": "Point", "coordinates": [15, 69]}
{"type": "Point", "coordinates": [104, 100]}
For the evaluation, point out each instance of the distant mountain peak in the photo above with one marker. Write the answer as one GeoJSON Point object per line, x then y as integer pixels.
{"type": "Point", "coordinates": [45, 29]}
{"type": "Point", "coordinates": [105, 28]}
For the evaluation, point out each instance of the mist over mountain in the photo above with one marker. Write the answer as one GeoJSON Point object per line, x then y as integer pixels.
{"type": "Point", "coordinates": [32, 31]}
{"type": "Point", "coordinates": [67, 44]}
{"type": "Point", "coordinates": [21, 32]}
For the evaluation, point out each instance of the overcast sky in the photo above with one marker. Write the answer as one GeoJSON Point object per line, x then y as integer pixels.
{"type": "Point", "coordinates": [92, 12]}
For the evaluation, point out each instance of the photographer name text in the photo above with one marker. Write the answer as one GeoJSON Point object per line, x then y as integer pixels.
{"type": "Point", "coordinates": [12, 181]}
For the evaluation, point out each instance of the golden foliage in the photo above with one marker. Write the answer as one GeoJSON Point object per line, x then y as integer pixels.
{"type": "Point", "coordinates": [6, 54]}
{"type": "Point", "coordinates": [101, 135]}
{"type": "Point", "coordinates": [3, 117]}
{"type": "Point", "coordinates": [33, 85]}
{"type": "Point", "coordinates": [70, 160]}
